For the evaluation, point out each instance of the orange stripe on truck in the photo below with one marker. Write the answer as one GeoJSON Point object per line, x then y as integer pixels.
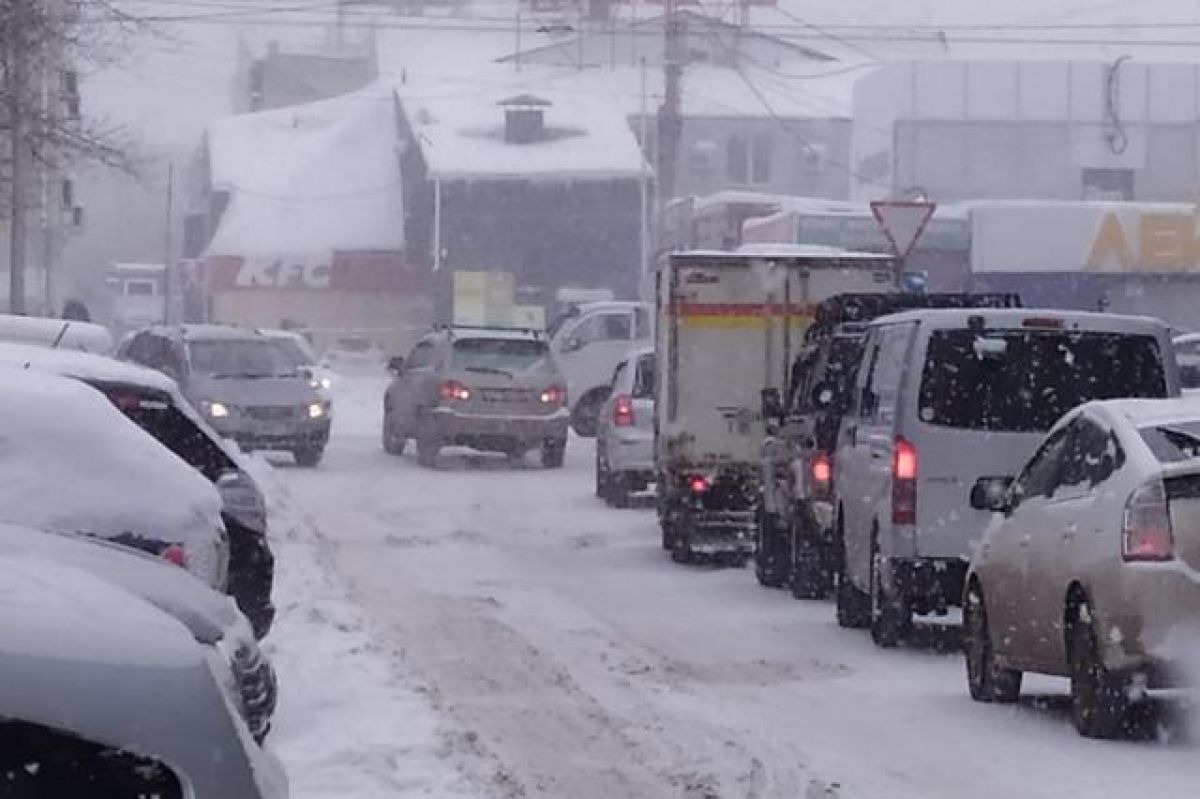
{"type": "Point", "coordinates": [738, 314]}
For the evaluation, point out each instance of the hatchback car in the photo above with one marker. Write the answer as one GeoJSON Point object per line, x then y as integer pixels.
{"type": "Point", "coordinates": [491, 389]}
{"type": "Point", "coordinates": [625, 430]}
{"type": "Point", "coordinates": [1091, 566]}
{"type": "Point", "coordinates": [243, 383]}
{"type": "Point", "coordinates": [153, 402]}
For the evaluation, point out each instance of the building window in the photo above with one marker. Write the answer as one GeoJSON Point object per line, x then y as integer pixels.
{"type": "Point", "coordinates": [748, 160]}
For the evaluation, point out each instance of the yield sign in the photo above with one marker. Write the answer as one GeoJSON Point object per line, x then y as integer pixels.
{"type": "Point", "coordinates": [903, 221]}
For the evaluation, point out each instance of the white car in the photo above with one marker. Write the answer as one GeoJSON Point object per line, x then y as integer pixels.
{"type": "Point", "coordinates": [1090, 568]}
{"type": "Point", "coordinates": [587, 345]}
{"type": "Point", "coordinates": [104, 694]}
{"type": "Point", "coordinates": [58, 333]}
{"type": "Point", "coordinates": [70, 461]}
{"type": "Point", "coordinates": [301, 351]}
{"type": "Point", "coordinates": [625, 430]}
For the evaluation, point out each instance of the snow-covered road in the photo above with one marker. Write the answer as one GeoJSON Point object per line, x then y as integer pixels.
{"type": "Point", "coordinates": [562, 654]}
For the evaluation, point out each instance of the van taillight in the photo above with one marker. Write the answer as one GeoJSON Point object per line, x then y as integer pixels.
{"type": "Point", "coordinates": [1146, 532]}
{"type": "Point", "coordinates": [623, 411]}
{"type": "Point", "coordinates": [454, 391]}
{"type": "Point", "coordinates": [175, 554]}
{"type": "Point", "coordinates": [821, 470]}
{"type": "Point", "coordinates": [904, 482]}
{"type": "Point", "coordinates": [555, 395]}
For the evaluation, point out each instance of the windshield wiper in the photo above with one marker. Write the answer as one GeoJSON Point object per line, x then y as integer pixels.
{"type": "Point", "coordinates": [488, 370]}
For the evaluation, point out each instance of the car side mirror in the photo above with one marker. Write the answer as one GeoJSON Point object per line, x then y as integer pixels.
{"type": "Point", "coordinates": [572, 344]}
{"type": "Point", "coordinates": [771, 404]}
{"type": "Point", "coordinates": [395, 364]}
{"type": "Point", "coordinates": [992, 494]}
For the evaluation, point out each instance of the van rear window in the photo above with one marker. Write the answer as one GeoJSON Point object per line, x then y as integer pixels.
{"type": "Point", "coordinates": [1024, 381]}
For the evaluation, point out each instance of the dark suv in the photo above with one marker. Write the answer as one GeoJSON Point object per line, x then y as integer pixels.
{"type": "Point", "coordinates": [796, 543]}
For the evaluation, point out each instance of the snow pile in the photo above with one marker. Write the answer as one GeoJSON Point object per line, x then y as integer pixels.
{"type": "Point", "coordinates": [348, 724]}
{"type": "Point", "coordinates": [309, 179]}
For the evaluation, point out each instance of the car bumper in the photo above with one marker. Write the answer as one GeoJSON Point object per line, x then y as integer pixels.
{"type": "Point", "coordinates": [252, 435]}
{"type": "Point", "coordinates": [713, 532]}
{"type": "Point", "coordinates": [1156, 624]}
{"type": "Point", "coordinates": [469, 429]}
{"type": "Point", "coordinates": [630, 453]}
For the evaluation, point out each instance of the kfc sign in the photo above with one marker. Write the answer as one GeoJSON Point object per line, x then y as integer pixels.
{"type": "Point", "coordinates": [282, 273]}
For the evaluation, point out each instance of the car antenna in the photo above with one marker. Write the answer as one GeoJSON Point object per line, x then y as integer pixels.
{"type": "Point", "coordinates": [58, 339]}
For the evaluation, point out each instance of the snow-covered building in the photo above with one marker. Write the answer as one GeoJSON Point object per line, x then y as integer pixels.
{"type": "Point", "coordinates": [548, 188]}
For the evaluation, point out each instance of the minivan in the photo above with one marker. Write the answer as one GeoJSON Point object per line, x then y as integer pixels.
{"type": "Point", "coordinates": [947, 405]}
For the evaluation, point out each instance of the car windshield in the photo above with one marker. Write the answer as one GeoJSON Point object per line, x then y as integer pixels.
{"type": "Point", "coordinates": [1024, 381]}
{"type": "Point", "coordinates": [299, 354]}
{"type": "Point", "coordinates": [511, 356]}
{"type": "Point", "coordinates": [240, 358]}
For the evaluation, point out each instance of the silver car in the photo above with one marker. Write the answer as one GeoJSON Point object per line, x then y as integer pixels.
{"type": "Point", "coordinates": [1091, 566]}
{"type": "Point", "coordinates": [243, 383]}
{"type": "Point", "coordinates": [625, 430]}
{"type": "Point", "coordinates": [103, 694]}
{"type": "Point", "coordinates": [491, 389]}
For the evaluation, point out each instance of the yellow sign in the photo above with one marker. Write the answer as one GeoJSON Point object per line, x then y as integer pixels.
{"type": "Point", "coordinates": [483, 298]}
{"type": "Point", "coordinates": [1157, 242]}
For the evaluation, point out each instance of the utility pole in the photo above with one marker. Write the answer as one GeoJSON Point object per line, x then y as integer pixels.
{"type": "Point", "coordinates": [17, 89]}
{"type": "Point", "coordinates": [670, 113]}
{"type": "Point", "coordinates": [168, 245]}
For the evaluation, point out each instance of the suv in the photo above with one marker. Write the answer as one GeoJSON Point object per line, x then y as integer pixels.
{"type": "Point", "coordinates": [243, 383]}
{"type": "Point", "coordinates": [153, 402]}
{"type": "Point", "coordinates": [796, 544]}
{"type": "Point", "coordinates": [492, 389]}
{"type": "Point", "coordinates": [947, 403]}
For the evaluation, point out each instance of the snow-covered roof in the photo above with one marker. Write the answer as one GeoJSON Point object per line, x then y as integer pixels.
{"type": "Point", "coordinates": [85, 336]}
{"type": "Point", "coordinates": [84, 366]}
{"type": "Point", "coordinates": [1143, 412]}
{"type": "Point", "coordinates": [309, 179]}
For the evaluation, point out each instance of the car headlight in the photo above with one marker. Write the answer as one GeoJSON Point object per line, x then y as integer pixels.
{"type": "Point", "coordinates": [217, 410]}
{"type": "Point", "coordinates": [326, 383]}
{"type": "Point", "coordinates": [316, 410]}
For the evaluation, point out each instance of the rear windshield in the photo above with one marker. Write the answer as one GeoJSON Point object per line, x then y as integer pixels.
{"type": "Point", "coordinates": [500, 355]}
{"type": "Point", "coordinates": [1172, 443]}
{"type": "Point", "coordinates": [240, 358]}
{"type": "Point", "coordinates": [1024, 381]}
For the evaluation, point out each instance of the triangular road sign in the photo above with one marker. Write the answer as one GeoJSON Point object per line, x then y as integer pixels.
{"type": "Point", "coordinates": [903, 221]}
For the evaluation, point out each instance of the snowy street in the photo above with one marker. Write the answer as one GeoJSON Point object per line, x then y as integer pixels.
{"type": "Point", "coordinates": [504, 634]}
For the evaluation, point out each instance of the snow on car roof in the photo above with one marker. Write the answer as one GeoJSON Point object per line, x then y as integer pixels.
{"type": "Point", "coordinates": [1015, 317]}
{"type": "Point", "coordinates": [65, 334]}
{"type": "Point", "coordinates": [1145, 412]}
{"type": "Point", "coordinates": [200, 332]}
{"type": "Point", "coordinates": [70, 461]}
{"type": "Point", "coordinates": [309, 178]}
{"type": "Point", "coordinates": [84, 365]}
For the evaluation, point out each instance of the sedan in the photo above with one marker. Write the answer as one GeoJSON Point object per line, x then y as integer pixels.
{"type": "Point", "coordinates": [1090, 568]}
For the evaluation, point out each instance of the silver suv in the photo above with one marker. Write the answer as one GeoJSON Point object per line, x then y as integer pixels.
{"type": "Point", "coordinates": [491, 389]}
{"type": "Point", "coordinates": [243, 383]}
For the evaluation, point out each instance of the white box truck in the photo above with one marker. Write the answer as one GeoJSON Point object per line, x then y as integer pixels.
{"type": "Point", "coordinates": [728, 325]}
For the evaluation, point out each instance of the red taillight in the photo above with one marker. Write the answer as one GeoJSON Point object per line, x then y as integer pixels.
{"type": "Point", "coordinates": [454, 391]}
{"type": "Point", "coordinates": [174, 554]}
{"type": "Point", "coordinates": [125, 401]}
{"type": "Point", "coordinates": [822, 475]}
{"type": "Point", "coordinates": [904, 482]}
{"type": "Point", "coordinates": [623, 411]}
{"type": "Point", "coordinates": [554, 395]}
{"type": "Point", "coordinates": [698, 483]}
{"type": "Point", "coordinates": [1146, 532]}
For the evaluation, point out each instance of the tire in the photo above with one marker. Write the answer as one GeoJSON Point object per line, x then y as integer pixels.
{"type": "Point", "coordinates": [1099, 697]}
{"type": "Point", "coordinates": [986, 680]}
{"type": "Point", "coordinates": [428, 447]}
{"type": "Point", "coordinates": [554, 453]}
{"type": "Point", "coordinates": [393, 443]}
{"type": "Point", "coordinates": [811, 575]}
{"type": "Point", "coordinates": [853, 605]}
{"type": "Point", "coordinates": [891, 617]}
{"type": "Point", "coordinates": [618, 491]}
{"type": "Point", "coordinates": [668, 535]}
{"type": "Point", "coordinates": [602, 477]}
{"type": "Point", "coordinates": [584, 416]}
{"type": "Point", "coordinates": [770, 565]}
{"type": "Point", "coordinates": [308, 457]}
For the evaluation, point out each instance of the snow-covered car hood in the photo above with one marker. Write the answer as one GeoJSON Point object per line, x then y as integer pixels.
{"type": "Point", "coordinates": [70, 461]}
{"type": "Point", "coordinates": [208, 615]}
{"type": "Point", "coordinates": [243, 392]}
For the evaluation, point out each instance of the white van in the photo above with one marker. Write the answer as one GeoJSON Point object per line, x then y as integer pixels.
{"type": "Point", "coordinates": [947, 404]}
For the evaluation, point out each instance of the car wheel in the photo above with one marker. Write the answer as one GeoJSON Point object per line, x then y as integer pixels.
{"type": "Point", "coordinates": [602, 477]}
{"type": "Point", "coordinates": [770, 567]}
{"type": "Point", "coordinates": [554, 453]}
{"type": "Point", "coordinates": [987, 680]}
{"type": "Point", "coordinates": [853, 605]}
{"type": "Point", "coordinates": [393, 441]}
{"type": "Point", "coordinates": [619, 490]}
{"type": "Point", "coordinates": [1099, 697]}
{"type": "Point", "coordinates": [891, 616]}
{"type": "Point", "coordinates": [585, 414]}
{"type": "Point", "coordinates": [308, 456]}
{"type": "Point", "coordinates": [810, 576]}
{"type": "Point", "coordinates": [428, 447]}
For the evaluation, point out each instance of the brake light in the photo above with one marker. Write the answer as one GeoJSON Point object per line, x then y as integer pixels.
{"type": "Point", "coordinates": [554, 395]}
{"type": "Point", "coordinates": [175, 555]}
{"type": "Point", "coordinates": [822, 475]}
{"type": "Point", "coordinates": [698, 483]}
{"type": "Point", "coordinates": [904, 482]}
{"type": "Point", "coordinates": [623, 411]}
{"type": "Point", "coordinates": [454, 391]}
{"type": "Point", "coordinates": [1146, 532]}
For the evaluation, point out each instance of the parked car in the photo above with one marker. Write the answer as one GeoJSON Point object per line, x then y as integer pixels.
{"type": "Point", "coordinates": [625, 432]}
{"type": "Point", "coordinates": [354, 353]}
{"type": "Point", "coordinates": [946, 399]}
{"type": "Point", "coordinates": [153, 402]}
{"type": "Point", "coordinates": [301, 351]}
{"type": "Point", "coordinates": [211, 617]}
{"type": "Point", "coordinates": [243, 384]}
{"type": "Point", "coordinates": [1091, 566]}
{"type": "Point", "coordinates": [103, 694]}
{"type": "Point", "coordinates": [588, 342]}
{"type": "Point", "coordinates": [59, 333]}
{"type": "Point", "coordinates": [70, 461]}
{"type": "Point", "coordinates": [1187, 355]}
{"type": "Point", "coordinates": [491, 389]}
